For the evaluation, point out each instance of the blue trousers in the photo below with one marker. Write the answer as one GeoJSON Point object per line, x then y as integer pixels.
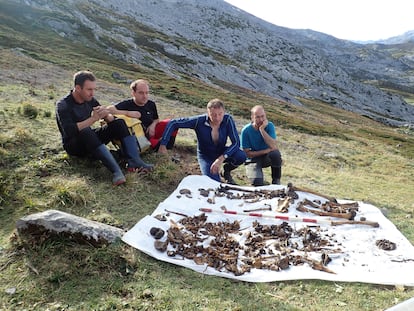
{"type": "Point", "coordinates": [206, 161]}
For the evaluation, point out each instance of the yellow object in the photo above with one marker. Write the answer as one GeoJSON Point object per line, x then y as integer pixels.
{"type": "Point", "coordinates": [135, 128]}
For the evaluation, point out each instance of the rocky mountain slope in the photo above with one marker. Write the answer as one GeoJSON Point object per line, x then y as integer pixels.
{"type": "Point", "coordinates": [220, 44]}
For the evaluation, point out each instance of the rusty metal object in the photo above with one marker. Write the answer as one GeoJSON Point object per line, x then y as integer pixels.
{"type": "Point", "coordinates": [266, 208]}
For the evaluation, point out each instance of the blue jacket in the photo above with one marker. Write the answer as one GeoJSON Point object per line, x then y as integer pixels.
{"type": "Point", "coordinates": [205, 146]}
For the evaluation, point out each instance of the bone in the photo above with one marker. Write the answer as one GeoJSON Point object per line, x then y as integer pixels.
{"type": "Point", "coordinates": [355, 222]}
{"type": "Point", "coordinates": [283, 205]}
{"type": "Point", "coordinates": [262, 192]}
{"type": "Point", "coordinates": [294, 188]}
{"type": "Point", "coordinates": [310, 203]}
{"type": "Point", "coordinates": [340, 206]}
{"type": "Point", "coordinates": [349, 216]}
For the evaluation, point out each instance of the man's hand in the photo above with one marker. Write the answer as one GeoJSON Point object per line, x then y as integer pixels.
{"type": "Point", "coordinates": [101, 111]}
{"type": "Point", "coordinates": [216, 165]}
{"type": "Point", "coordinates": [151, 129]}
{"type": "Point", "coordinates": [263, 125]}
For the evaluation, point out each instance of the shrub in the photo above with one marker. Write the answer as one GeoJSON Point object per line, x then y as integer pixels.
{"type": "Point", "coordinates": [30, 111]}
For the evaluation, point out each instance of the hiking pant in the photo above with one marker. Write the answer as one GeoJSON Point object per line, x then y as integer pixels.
{"type": "Point", "coordinates": [254, 166]}
{"type": "Point", "coordinates": [88, 139]}
{"type": "Point", "coordinates": [205, 162]}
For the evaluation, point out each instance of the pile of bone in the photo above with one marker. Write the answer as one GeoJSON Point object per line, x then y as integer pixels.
{"type": "Point", "coordinates": [225, 247]}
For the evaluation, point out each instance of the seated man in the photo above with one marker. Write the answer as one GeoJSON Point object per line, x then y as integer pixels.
{"type": "Point", "coordinates": [75, 115]}
{"type": "Point", "coordinates": [258, 140]}
{"type": "Point", "coordinates": [212, 130]}
{"type": "Point", "coordinates": [141, 107]}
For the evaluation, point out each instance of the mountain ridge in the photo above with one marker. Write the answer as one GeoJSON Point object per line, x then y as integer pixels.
{"type": "Point", "coordinates": [218, 44]}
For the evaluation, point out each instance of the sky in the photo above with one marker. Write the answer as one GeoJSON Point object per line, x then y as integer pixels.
{"type": "Point", "coordinates": [357, 20]}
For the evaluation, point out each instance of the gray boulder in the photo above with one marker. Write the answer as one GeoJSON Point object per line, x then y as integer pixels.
{"type": "Point", "coordinates": [55, 222]}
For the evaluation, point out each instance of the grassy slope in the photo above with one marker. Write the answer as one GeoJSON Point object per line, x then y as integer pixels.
{"type": "Point", "coordinates": [329, 150]}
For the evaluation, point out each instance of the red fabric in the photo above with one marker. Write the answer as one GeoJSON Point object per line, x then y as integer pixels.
{"type": "Point", "coordinates": [159, 130]}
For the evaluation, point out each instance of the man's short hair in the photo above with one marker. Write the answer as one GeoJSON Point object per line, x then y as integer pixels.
{"type": "Point", "coordinates": [215, 103]}
{"type": "Point", "coordinates": [133, 85]}
{"type": "Point", "coordinates": [80, 77]}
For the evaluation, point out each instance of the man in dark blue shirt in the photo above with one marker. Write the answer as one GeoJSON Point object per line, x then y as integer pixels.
{"type": "Point", "coordinates": [212, 130]}
{"type": "Point", "coordinates": [78, 111]}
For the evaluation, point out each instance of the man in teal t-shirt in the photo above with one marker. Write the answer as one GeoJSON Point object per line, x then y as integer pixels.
{"type": "Point", "coordinates": [258, 140]}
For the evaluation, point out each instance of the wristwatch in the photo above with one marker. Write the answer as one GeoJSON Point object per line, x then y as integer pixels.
{"type": "Point", "coordinates": [225, 156]}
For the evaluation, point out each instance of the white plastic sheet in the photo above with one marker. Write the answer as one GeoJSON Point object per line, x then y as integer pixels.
{"type": "Point", "coordinates": [360, 259]}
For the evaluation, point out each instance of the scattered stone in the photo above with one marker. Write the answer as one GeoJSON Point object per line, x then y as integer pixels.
{"type": "Point", "coordinates": [10, 290]}
{"type": "Point", "coordinates": [147, 293]}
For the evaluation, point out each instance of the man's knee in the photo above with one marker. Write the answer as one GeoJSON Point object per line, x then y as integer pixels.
{"type": "Point", "coordinates": [118, 128]}
{"type": "Point", "coordinates": [275, 158]}
{"type": "Point", "coordinates": [238, 158]}
{"type": "Point", "coordinates": [86, 139]}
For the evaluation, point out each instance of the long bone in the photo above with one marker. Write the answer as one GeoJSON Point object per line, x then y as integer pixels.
{"type": "Point", "coordinates": [350, 215]}
{"type": "Point", "coordinates": [264, 192]}
{"type": "Point", "coordinates": [294, 188]}
{"type": "Point", "coordinates": [333, 207]}
{"type": "Point", "coordinates": [340, 206]}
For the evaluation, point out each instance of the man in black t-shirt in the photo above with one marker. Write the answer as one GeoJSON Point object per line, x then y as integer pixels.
{"type": "Point", "coordinates": [140, 107]}
{"type": "Point", "coordinates": [75, 115]}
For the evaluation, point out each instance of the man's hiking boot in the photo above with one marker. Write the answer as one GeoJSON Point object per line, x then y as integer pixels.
{"type": "Point", "coordinates": [118, 179]}
{"type": "Point", "coordinates": [225, 173]}
{"type": "Point", "coordinates": [276, 175]}
{"type": "Point", "coordinates": [103, 154]}
{"type": "Point", "coordinates": [227, 178]}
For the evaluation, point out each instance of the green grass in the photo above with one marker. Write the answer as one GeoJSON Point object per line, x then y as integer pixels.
{"type": "Point", "coordinates": [325, 149]}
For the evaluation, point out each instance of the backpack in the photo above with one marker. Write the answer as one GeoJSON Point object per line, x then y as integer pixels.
{"type": "Point", "coordinates": [135, 128]}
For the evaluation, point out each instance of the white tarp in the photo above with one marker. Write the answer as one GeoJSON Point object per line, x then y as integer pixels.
{"type": "Point", "coordinates": [360, 259]}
